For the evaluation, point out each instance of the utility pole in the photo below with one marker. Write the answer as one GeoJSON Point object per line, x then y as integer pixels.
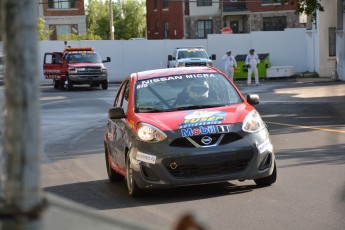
{"type": "Point", "coordinates": [111, 21]}
{"type": "Point", "coordinates": [23, 202]}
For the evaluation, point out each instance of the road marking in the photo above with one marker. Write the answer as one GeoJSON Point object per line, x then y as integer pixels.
{"type": "Point", "coordinates": [307, 127]}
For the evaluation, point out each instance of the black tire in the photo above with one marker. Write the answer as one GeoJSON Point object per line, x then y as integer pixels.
{"type": "Point", "coordinates": [69, 85]}
{"type": "Point", "coordinates": [112, 175]}
{"type": "Point", "coordinates": [105, 85]}
{"type": "Point", "coordinates": [62, 85]}
{"type": "Point", "coordinates": [56, 84]}
{"type": "Point", "coordinates": [133, 189]}
{"type": "Point", "coordinates": [267, 181]}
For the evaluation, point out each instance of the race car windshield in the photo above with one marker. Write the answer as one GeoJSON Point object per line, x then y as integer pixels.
{"type": "Point", "coordinates": [184, 92]}
{"type": "Point", "coordinates": [84, 57]}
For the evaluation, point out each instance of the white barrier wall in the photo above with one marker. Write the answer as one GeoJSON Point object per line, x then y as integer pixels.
{"type": "Point", "coordinates": [286, 48]}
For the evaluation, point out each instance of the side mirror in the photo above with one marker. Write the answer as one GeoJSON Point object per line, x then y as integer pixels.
{"type": "Point", "coordinates": [108, 60]}
{"type": "Point", "coordinates": [213, 57]}
{"type": "Point", "coordinates": [253, 99]}
{"type": "Point", "coordinates": [116, 113]}
{"type": "Point", "coordinates": [170, 57]}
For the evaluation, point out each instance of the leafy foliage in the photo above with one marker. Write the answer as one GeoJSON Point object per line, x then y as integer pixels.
{"type": "Point", "coordinates": [43, 34]}
{"type": "Point", "coordinates": [308, 7]}
{"type": "Point", "coordinates": [79, 37]}
{"type": "Point", "coordinates": [129, 18]}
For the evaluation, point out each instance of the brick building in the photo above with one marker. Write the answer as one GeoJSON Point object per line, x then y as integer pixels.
{"type": "Point", "coordinates": [174, 19]}
{"type": "Point", "coordinates": [63, 16]}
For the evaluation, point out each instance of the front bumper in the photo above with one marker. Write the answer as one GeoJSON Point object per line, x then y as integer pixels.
{"type": "Point", "coordinates": [88, 78]}
{"type": "Point", "coordinates": [249, 157]}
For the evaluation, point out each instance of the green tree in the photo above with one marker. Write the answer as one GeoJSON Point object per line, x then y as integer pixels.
{"type": "Point", "coordinates": [43, 34]}
{"type": "Point", "coordinates": [79, 37]}
{"type": "Point", "coordinates": [308, 7]}
{"type": "Point", "coordinates": [97, 18]}
{"type": "Point", "coordinates": [129, 18]}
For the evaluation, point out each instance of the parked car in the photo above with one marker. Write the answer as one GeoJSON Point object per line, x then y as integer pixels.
{"type": "Point", "coordinates": [185, 126]}
{"type": "Point", "coordinates": [190, 56]}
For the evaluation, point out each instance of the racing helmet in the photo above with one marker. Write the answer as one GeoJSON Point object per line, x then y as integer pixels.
{"type": "Point", "coordinates": [199, 89]}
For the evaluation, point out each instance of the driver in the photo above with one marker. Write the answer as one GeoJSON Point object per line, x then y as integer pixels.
{"type": "Point", "coordinates": [194, 94]}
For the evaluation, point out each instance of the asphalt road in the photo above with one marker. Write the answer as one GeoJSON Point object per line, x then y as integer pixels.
{"type": "Point", "coordinates": [307, 124]}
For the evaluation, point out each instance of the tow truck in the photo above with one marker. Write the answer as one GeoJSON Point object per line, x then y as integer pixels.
{"type": "Point", "coordinates": [76, 66]}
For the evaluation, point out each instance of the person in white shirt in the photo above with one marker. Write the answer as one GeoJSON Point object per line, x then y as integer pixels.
{"type": "Point", "coordinates": [252, 61]}
{"type": "Point", "coordinates": [229, 64]}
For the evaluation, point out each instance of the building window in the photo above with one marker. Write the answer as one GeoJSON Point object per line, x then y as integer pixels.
{"type": "Point", "coordinates": [204, 2]}
{"type": "Point", "coordinates": [166, 30]}
{"type": "Point", "coordinates": [165, 4]}
{"type": "Point", "coordinates": [155, 4]}
{"type": "Point", "coordinates": [274, 23]}
{"type": "Point", "coordinates": [61, 4]}
{"type": "Point", "coordinates": [58, 30]}
{"type": "Point", "coordinates": [204, 28]}
{"type": "Point", "coordinates": [331, 42]}
{"type": "Point", "coordinates": [156, 27]}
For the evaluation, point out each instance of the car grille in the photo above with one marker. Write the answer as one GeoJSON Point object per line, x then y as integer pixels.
{"type": "Point", "coordinates": [91, 69]}
{"type": "Point", "coordinates": [221, 138]}
{"type": "Point", "coordinates": [204, 166]}
{"type": "Point", "coordinates": [189, 64]}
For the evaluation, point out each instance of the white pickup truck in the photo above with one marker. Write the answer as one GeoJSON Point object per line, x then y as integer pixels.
{"type": "Point", "coordinates": [190, 56]}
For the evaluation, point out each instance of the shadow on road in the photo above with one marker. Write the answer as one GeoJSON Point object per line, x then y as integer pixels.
{"type": "Point", "coordinates": [103, 195]}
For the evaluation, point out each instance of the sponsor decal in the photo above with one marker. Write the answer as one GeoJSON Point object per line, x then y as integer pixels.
{"type": "Point", "coordinates": [146, 158]}
{"type": "Point", "coordinates": [206, 140]}
{"type": "Point", "coordinates": [264, 146]}
{"type": "Point", "coordinates": [146, 83]}
{"type": "Point", "coordinates": [205, 130]}
{"type": "Point", "coordinates": [51, 71]}
{"type": "Point", "coordinates": [199, 118]}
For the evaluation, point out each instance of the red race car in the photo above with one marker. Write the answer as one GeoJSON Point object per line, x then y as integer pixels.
{"type": "Point", "coordinates": [185, 126]}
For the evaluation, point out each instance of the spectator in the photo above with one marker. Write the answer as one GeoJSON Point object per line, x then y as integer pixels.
{"type": "Point", "coordinates": [229, 64]}
{"type": "Point", "coordinates": [252, 62]}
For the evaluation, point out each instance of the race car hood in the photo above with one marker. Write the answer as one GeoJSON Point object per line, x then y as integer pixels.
{"type": "Point", "coordinates": [191, 118]}
{"type": "Point", "coordinates": [83, 64]}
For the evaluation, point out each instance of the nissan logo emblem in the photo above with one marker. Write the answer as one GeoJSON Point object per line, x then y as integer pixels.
{"type": "Point", "coordinates": [206, 140]}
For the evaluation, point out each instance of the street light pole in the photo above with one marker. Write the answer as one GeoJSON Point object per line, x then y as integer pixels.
{"type": "Point", "coordinates": [111, 20]}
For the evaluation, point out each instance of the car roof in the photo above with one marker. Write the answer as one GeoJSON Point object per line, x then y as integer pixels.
{"type": "Point", "coordinates": [174, 71]}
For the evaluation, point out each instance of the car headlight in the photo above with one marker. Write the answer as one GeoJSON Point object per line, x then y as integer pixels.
{"type": "Point", "coordinates": [209, 64]}
{"type": "Point", "coordinates": [72, 71]}
{"type": "Point", "coordinates": [149, 133]}
{"type": "Point", "coordinates": [104, 70]}
{"type": "Point", "coordinates": [253, 122]}
{"type": "Point", "coordinates": [180, 64]}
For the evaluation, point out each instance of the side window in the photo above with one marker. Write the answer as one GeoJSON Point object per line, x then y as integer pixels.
{"type": "Point", "coordinates": [56, 59]}
{"type": "Point", "coordinates": [48, 59]}
{"type": "Point", "coordinates": [175, 53]}
{"type": "Point", "coordinates": [126, 97]}
{"type": "Point", "coordinates": [118, 99]}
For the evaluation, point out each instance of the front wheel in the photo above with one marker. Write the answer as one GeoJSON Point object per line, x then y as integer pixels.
{"type": "Point", "coordinates": [112, 175]}
{"type": "Point", "coordinates": [133, 189]}
{"type": "Point", "coordinates": [69, 84]}
{"type": "Point", "coordinates": [267, 181]}
{"type": "Point", "coordinates": [105, 85]}
{"type": "Point", "coordinates": [56, 84]}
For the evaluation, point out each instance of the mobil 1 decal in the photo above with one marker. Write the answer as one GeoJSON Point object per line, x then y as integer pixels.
{"type": "Point", "coordinates": [203, 122]}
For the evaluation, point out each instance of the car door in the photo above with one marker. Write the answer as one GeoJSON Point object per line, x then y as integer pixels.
{"type": "Point", "coordinates": [52, 64]}
{"type": "Point", "coordinates": [117, 129]}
